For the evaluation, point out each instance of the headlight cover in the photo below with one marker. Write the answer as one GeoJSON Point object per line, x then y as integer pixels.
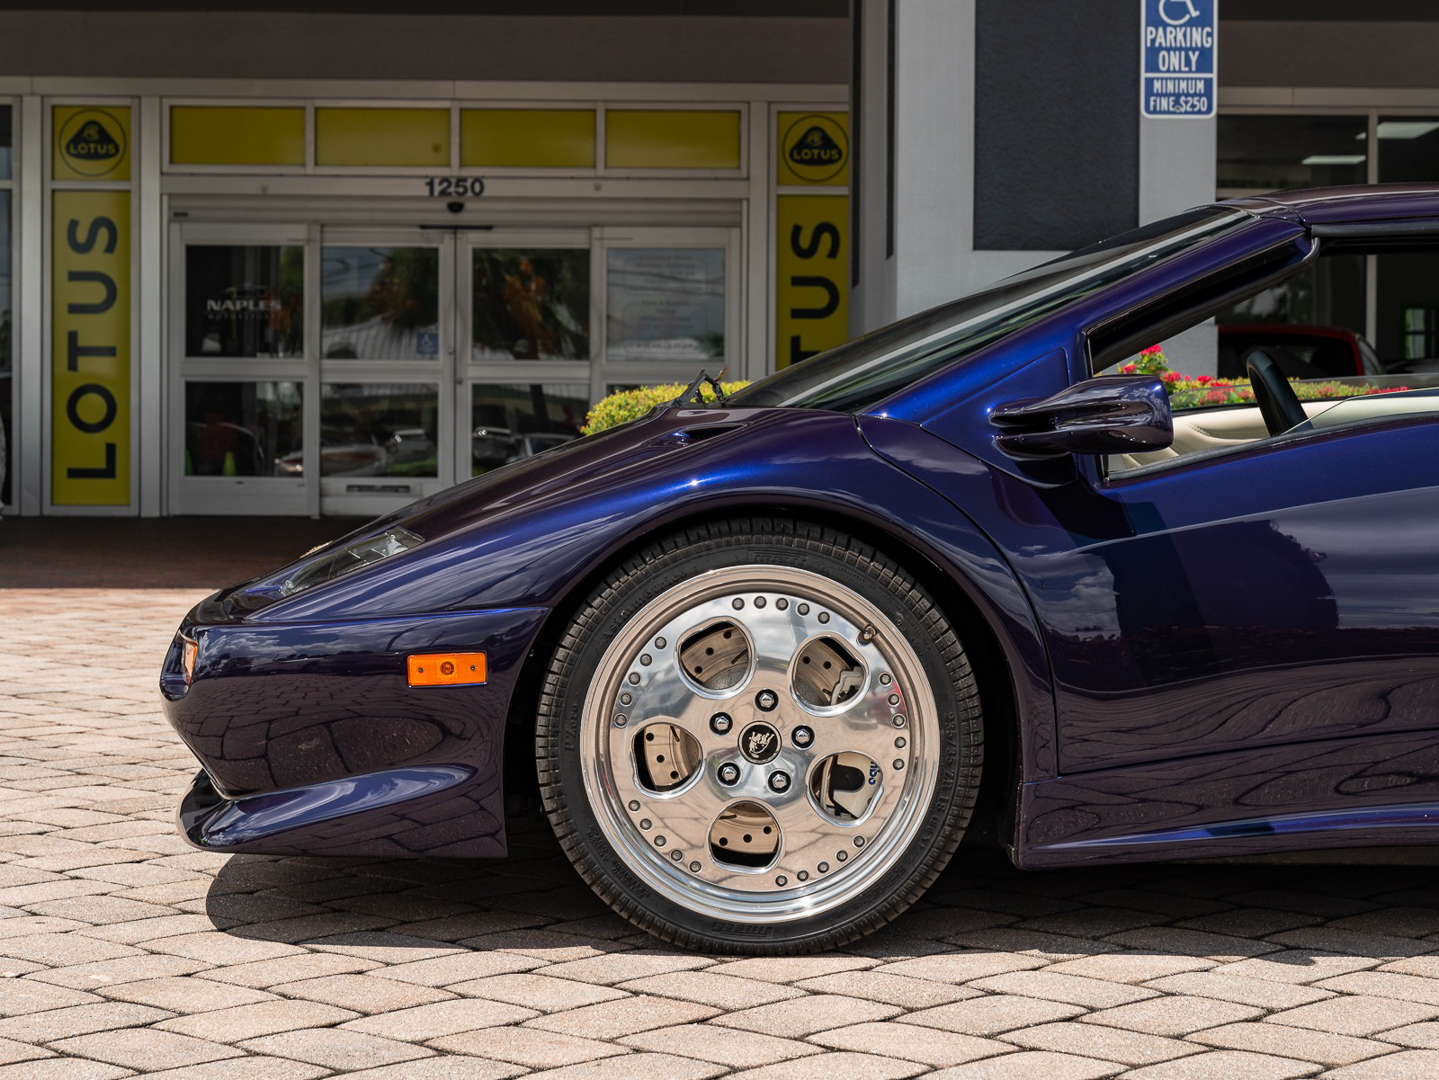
{"type": "Point", "coordinates": [350, 557]}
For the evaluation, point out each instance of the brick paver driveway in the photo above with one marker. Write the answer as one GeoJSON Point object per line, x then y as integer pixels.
{"type": "Point", "coordinates": [123, 951]}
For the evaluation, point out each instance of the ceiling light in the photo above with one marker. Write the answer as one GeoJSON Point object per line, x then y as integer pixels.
{"type": "Point", "coordinates": [1406, 129]}
{"type": "Point", "coordinates": [1333, 159]}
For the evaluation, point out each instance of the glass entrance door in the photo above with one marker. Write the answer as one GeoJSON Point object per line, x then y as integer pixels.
{"type": "Point", "coordinates": [557, 319]}
{"type": "Point", "coordinates": [315, 369]}
{"type": "Point", "coordinates": [239, 385]}
{"type": "Point", "coordinates": [527, 315]}
{"type": "Point", "coordinates": [386, 361]}
{"type": "Point", "coordinates": [348, 371]}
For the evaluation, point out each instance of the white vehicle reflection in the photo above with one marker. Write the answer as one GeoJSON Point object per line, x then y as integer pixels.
{"type": "Point", "coordinates": [342, 453]}
{"type": "Point", "coordinates": [409, 445]}
{"type": "Point", "coordinates": [537, 443]}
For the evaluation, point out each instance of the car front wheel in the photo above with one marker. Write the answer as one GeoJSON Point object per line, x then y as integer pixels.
{"type": "Point", "coordinates": [759, 736]}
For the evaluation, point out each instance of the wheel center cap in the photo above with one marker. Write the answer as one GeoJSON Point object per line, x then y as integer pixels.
{"type": "Point", "coordinates": [759, 742]}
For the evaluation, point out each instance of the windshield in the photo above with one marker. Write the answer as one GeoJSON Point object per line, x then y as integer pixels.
{"type": "Point", "coordinates": [862, 372]}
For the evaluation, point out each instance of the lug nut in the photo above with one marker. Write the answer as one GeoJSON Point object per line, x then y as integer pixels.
{"type": "Point", "coordinates": [779, 781]}
{"type": "Point", "coordinates": [802, 737]}
{"type": "Point", "coordinates": [728, 773]}
{"type": "Point", "coordinates": [766, 700]}
{"type": "Point", "coordinates": [720, 723]}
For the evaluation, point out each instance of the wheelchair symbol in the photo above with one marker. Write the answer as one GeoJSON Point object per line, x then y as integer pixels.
{"type": "Point", "coordinates": [1188, 7]}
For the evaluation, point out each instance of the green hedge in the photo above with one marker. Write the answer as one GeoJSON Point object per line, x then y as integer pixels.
{"type": "Point", "coordinates": [629, 405]}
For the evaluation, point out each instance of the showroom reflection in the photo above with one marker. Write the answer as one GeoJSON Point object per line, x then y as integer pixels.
{"type": "Point", "coordinates": [1320, 316]}
{"type": "Point", "coordinates": [530, 363]}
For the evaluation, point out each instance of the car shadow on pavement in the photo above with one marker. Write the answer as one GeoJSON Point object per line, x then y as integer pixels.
{"type": "Point", "coordinates": [1340, 912]}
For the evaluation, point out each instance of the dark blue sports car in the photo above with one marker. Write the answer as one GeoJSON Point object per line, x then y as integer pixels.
{"type": "Point", "coordinates": [774, 655]}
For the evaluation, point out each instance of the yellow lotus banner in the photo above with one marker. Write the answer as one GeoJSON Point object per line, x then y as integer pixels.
{"type": "Point", "coordinates": [811, 275]}
{"type": "Point", "coordinates": [90, 349]}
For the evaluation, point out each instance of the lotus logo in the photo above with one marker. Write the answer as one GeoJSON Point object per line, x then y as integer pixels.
{"type": "Point", "coordinates": [815, 148]}
{"type": "Point", "coordinates": [92, 143]}
{"type": "Point", "coordinates": [759, 742]}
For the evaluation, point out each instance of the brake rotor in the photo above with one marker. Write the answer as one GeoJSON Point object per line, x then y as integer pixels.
{"type": "Point", "coordinates": [826, 673]}
{"type": "Point", "coordinates": [746, 834]}
{"type": "Point", "coordinates": [715, 656]}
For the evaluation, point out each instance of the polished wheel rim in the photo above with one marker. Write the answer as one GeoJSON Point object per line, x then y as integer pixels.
{"type": "Point", "coordinates": [760, 744]}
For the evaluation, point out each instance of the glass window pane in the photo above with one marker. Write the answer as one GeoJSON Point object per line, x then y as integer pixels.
{"type": "Point", "coordinates": [665, 304]}
{"type": "Point", "coordinates": [1312, 321]}
{"type": "Point", "coordinates": [1407, 286]}
{"type": "Point", "coordinates": [1407, 309]}
{"type": "Point", "coordinates": [530, 305]}
{"type": "Point", "coordinates": [242, 428]}
{"type": "Point", "coordinates": [379, 429]}
{"type": "Point", "coordinates": [244, 300]}
{"type": "Point", "coordinates": [382, 137]}
{"type": "Point", "coordinates": [6, 142]}
{"type": "Point", "coordinates": [6, 333]}
{"type": "Point", "coordinates": [515, 420]}
{"type": "Point", "coordinates": [1408, 149]}
{"type": "Point", "coordinates": [380, 303]}
{"type": "Point", "coordinates": [1268, 153]}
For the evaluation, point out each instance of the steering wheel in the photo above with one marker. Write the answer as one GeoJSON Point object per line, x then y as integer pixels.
{"type": "Point", "coordinates": [1278, 403]}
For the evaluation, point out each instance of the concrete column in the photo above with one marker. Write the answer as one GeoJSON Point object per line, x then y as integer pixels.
{"type": "Point", "coordinates": [934, 151]}
{"type": "Point", "coordinates": [871, 301]}
{"type": "Point", "coordinates": [931, 255]}
{"type": "Point", "coordinates": [1177, 171]}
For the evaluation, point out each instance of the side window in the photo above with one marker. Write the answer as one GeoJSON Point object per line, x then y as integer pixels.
{"type": "Point", "coordinates": [1312, 326]}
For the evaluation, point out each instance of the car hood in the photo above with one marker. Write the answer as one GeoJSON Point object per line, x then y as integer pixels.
{"type": "Point", "coordinates": [516, 521]}
{"type": "Point", "coordinates": [540, 477]}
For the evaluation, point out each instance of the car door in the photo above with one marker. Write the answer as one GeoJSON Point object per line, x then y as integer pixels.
{"type": "Point", "coordinates": [1287, 592]}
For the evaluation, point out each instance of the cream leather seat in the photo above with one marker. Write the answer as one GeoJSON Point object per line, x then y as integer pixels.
{"type": "Point", "coordinates": [1196, 432]}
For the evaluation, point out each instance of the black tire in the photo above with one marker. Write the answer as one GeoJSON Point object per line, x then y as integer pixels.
{"type": "Point", "coordinates": [911, 821]}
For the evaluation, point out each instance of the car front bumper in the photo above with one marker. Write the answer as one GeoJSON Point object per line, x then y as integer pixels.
{"type": "Point", "coordinates": [312, 740]}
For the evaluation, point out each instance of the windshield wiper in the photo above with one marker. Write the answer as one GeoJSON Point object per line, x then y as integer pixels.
{"type": "Point", "coordinates": [694, 393]}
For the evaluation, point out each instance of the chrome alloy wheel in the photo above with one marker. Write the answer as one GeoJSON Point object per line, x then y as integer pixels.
{"type": "Point", "coordinates": [759, 744]}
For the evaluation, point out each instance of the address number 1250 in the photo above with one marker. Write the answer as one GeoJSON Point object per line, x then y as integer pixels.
{"type": "Point", "coordinates": [449, 187]}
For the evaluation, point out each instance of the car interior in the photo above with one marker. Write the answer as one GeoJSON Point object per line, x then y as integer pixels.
{"type": "Point", "coordinates": [1231, 427]}
{"type": "Point", "coordinates": [1294, 345]}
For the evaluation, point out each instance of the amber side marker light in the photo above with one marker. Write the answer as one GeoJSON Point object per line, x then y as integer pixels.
{"type": "Point", "coordinates": [447, 669]}
{"type": "Point", "coordinates": [190, 651]}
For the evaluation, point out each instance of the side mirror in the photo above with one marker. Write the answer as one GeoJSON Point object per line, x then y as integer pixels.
{"type": "Point", "coordinates": [1113, 414]}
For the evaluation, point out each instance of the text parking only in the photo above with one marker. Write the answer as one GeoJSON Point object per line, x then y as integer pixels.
{"type": "Point", "coordinates": [1179, 48]}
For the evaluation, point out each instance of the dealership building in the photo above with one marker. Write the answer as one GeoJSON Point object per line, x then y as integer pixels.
{"type": "Point", "coordinates": [322, 257]}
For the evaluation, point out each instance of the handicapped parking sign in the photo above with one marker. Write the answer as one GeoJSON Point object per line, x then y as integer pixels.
{"type": "Point", "coordinates": [1178, 79]}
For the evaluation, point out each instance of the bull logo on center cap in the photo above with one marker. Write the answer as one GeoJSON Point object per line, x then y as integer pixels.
{"type": "Point", "coordinates": [759, 742]}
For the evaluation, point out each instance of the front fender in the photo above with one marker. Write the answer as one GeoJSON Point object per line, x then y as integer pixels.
{"type": "Point", "coordinates": [531, 544]}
